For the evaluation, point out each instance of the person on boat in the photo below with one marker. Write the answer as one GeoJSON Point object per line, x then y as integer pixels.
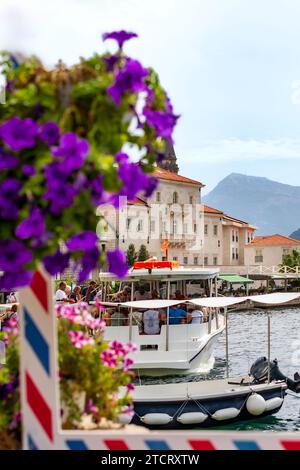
{"type": "Point", "coordinates": [91, 292]}
{"type": "Point", "coordinates": [11, 314]}
{"type": "Point", "coordinates": [195, 316]}
{"type": "Point", "coordinates": [151, 321]}
{"type": "Point", "coordinates": [155, 294]}
{"type": "Point", "coordinates": [11, 298]}
{"type": "Point", "coordinates": [177, 315]}
{"type": "Point", "coordinates": [179, 296]}
{"type": "Point", "coordinates": [60, 294]}
{"type": "Point", "coordinates": [141, 294]}
{"type": "Point", "coordinates": [118, 318]}
{"type": "Point", "coordinates": [76, 295]}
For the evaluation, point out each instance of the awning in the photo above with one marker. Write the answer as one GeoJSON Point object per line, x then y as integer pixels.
{"type": "Point", "coordinates": [235, 279]}
{"type": "Point", "coordinates": [277, 298]}
{"type": "Point", "coordinates": [155, 303]}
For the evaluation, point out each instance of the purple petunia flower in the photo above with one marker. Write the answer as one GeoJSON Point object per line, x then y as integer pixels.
{"type": "Point", "coordinates": [13, 255]}
{"type": "Point", "coordinates": [15, 279]}
{"type": "Point", "coordinates": [32, 227]}
{"type": "Point", "coordinates": [97, 192]}
{"type": "Point", "coordinates": [56, 263]}
{"type": "Point", "coordinates": [131, 78]}
{"type": "Point", "coordinates": [162, 121]}
{"type": "Point", "coordinates": [110, 62]}
{"type": "Point", "coordinates": [151, 186]}
{"type": "Point", "coordinates": [117, 263]}
{"type": "Point", "coordinates": [88, 262]}
{"type": "Point", "coordinates": [50, 133]}
{"type": "Point", "coordinates": [72, 152]}
{"type": "Point", "coordinates": [60, 195]}
{"type": "Point", "coordinates": [82, 241]}
{"type": "Point", "coordinates": [28, 170]}
{"type": "Point", "coordinates": [119, 36]}
{"type": "Point", "coordinates": [19, 134]}
{"type": "Point", "coordinates": [7, 162]}
{"type": "Point", "coordinates": [9, 193]}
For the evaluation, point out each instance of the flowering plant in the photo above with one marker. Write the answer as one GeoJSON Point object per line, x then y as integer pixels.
{"type": "Point", "coordinates": [87, 365]}
{"type": "Point", "coordinates": [10, 415]}
{"type": "Point", "coordinates": [63, 136]}
{"type": "Point", "coordinates": [92, 367]}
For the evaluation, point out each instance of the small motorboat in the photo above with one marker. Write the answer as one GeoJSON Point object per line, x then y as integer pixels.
{"type": "Point", "coordinates": [211, 403]}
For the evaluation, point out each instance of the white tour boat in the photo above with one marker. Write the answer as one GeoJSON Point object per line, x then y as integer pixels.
{"type": "Point", "coordinates": [181, 348]}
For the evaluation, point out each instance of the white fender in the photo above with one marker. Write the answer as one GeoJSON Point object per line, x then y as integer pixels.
{"type": "Point", "coordinates": [125, 418]}
{"type": "Point", "coordinates": [156, 418]}
{"type": "Point", "coordinates": [226, 413]}
{"type": "Point", "coordinates": [256, 404]}
{"type": "Point", "coordinates": [192, 418]}
{"type": "Point", "coordinates": [273, 403]}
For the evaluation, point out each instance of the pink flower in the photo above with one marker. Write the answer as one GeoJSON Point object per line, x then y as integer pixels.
{"type": "Point", "coordinates": [126, 364]}
{"type": "Point", "coordinates": [108, 358]}
{"type": "Point", "coordinates": [12, 327]}
{"type": "Point", "coordinates": [118, 348]}
{"type": "Point", "coordinates": [15, 421]}
{"type": "Point", "coordinates": [131, 348]}
{"type": "Point", "coordinates": [91, 407]}
{"type": "Point", "coordinates": [80, 340]}
{"type": "Point", "coordinates": [130, 387]}
{"type": "Point", "coordinates": [128, 410]}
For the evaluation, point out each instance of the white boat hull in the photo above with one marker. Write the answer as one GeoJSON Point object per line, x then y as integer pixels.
{"type": "Point", "coordinates": [183, 349]}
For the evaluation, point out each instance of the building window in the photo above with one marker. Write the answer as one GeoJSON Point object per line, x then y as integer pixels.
{"type": "Point", "coordinates": [185, 228]}
{"type": "Point", "coordinates": [175, 198]}
{"type": "Point", "coordinates": [140, 226]}
{"type": "Point", "coordinates": [233, 237]}
{"type": "Point", "coordinates": [215, 230]}
{"type": "Point", "coordinates": [174, 227]}
{"type": "Point", "coordinates": [233, 253]}
{"type": "Point", "coordinates": [128, 221]}
{"type": "Point", "coordinates": [196, 260]}
{"type": "Point", "coordinates": [158, 197]}
{"type": "Point", "coordinates": [195, 228]}
{"type": "Point", "coordinates": [258, 256]}
{"type": "Point", "coordinates": [205, 261]}
{"type": "Point", "coordinates": [175, 258]}
{"type": "Point", "coordinates": [237, 236]}
{"type": "Point", "coordinates": [215, 260]}
{"type": "Point", "coordinates": [191, 199]}
{"type": "Point", "coordinates": [164, 258]}
{"type": "Point", "coordinates": [152, 226]}
{"type": "Point", "coordinates": [236, 254]}
{"type": "Point", "coordinates": [205, 229]}
{"type": "Point", "coordinates": [165, 227]}
{"type": "Point", "coordinates": [219, 243]}
{"type": "Point", "coordinates": [185, 260]}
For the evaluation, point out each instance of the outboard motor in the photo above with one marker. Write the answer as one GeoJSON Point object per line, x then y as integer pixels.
{"type": "Point", "coordinates": [259, 371]}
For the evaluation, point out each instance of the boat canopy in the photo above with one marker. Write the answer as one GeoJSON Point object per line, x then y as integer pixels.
{"type": "Point", "coordinates": [266, 299]}
{"type": "Point", "coordinates": [235, 279]}
{"type": "Point", "coordinates": [214, 302]}
{"type": "Point", "coordinates": [150, 304]}
{"type": "Point", "coordinates": [164, 274]}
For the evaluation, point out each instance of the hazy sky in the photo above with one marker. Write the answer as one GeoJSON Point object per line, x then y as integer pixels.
{"type": "Point", "coordinates": [231, 67]}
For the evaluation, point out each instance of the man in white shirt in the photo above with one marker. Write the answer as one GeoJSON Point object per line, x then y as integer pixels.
{"type": "Point", "coordinates": [60, 294]}
{"type": "Point", "coordinates": [151, 320]}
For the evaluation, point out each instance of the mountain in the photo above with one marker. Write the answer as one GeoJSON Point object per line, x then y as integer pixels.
{"type": "Point", "coordinates": [296, 234]}
{"type": "Point", "coordinates": [273, 207]}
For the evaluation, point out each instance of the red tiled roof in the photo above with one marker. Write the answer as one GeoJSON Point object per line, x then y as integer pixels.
{"type": "Point", "coordinates": [272, 240]}
{"type": "Point", "coordinates": [168, 175]}
{"type": "Point", "coordinates": [232, 219]}
{"type": "Point", "coordinates": [137, 201]}
{"type": "Point", "coordinates": [211, 210]}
